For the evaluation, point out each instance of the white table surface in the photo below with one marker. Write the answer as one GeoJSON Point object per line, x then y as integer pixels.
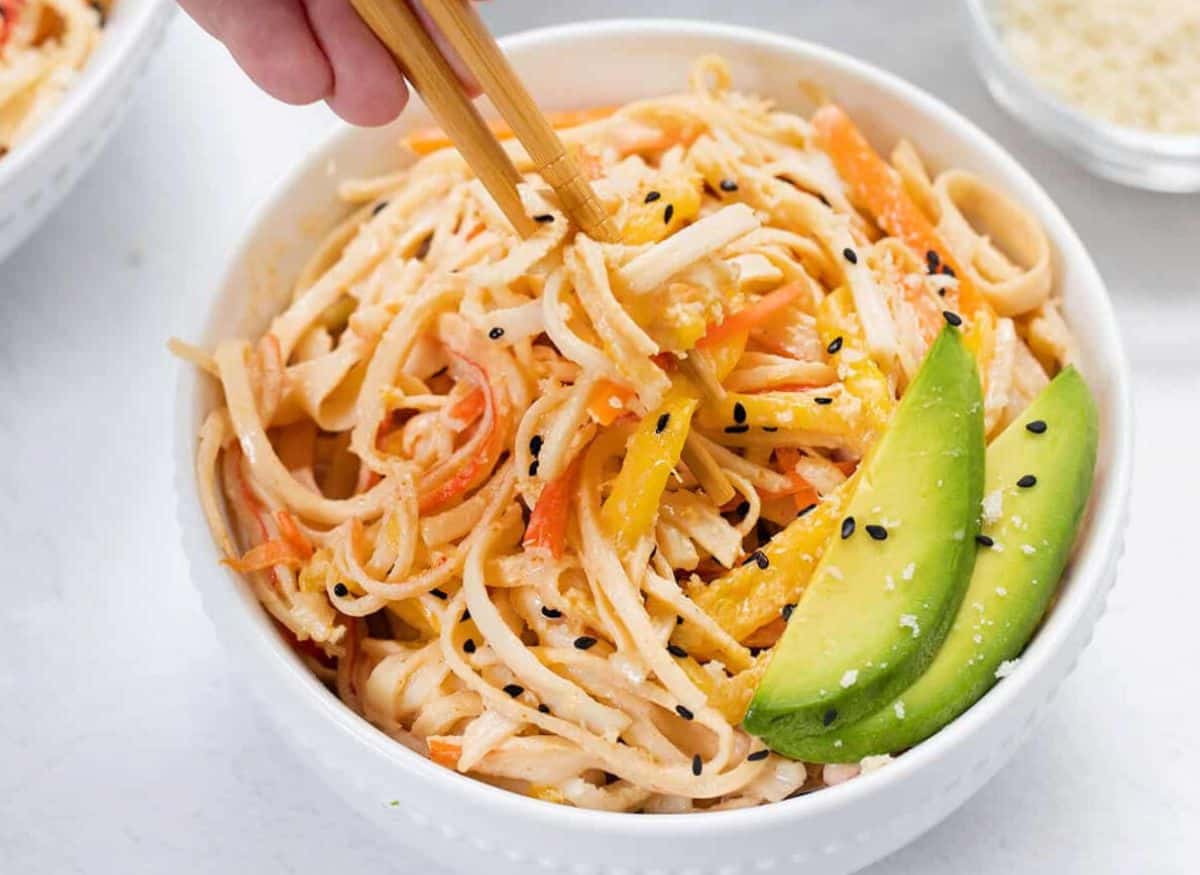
{"type": "Point", "coordinates": [126, 742]}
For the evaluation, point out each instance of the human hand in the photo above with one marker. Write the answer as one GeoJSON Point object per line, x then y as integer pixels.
{"type": "Point", "coordinates": [302, 51]}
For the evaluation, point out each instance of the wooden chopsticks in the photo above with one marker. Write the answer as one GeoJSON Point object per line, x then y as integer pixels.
{"type": "Point", "coordinates": [399, 28]}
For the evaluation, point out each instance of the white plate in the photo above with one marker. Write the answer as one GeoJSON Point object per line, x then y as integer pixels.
{"type": "Point", "coordinates": [470, 825]}
{"type": "Point", "coordinates": [39, 172]}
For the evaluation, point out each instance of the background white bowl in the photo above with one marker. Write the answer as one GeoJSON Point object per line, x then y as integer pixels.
{"type": "Point", "coordinates": [470, 825]}
{"type": "Point", "coordinates": [37, 174]}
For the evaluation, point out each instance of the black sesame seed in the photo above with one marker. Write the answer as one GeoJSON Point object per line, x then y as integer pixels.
{"type": "Point", "coordinates": [932, 260]}
{"type": "Point", "coordinates": [685, 713]}
{"type": "Point", "coordinates": [697, 765]}
{"type": "Point", "coordinates": [543, 218]}
{"type": "Point", "coordinates": [742, 509]}
{"type": "Point", "coordinates": [533, 468]}
{"type": "Point", "coordinates": [952, 317]}
{"type": "Point", "coordinates": [585, 642]}
{"type": "Point", "coordinates": [755, 651]}
{"type": "Point", "coordinates": [1037, 426]}
{"type": "Point", "coordinates": [739, 413]}
{"type": "Point", "coordinates": [949, 271]}
{"type": "Point", "coordinates": [469, 646]}
{"type": "Point", "coordinates": [850, 255]}
{"type": "Point", "coordinates": [736, 429]}
{"type": "Point", "coordinates": [770, 428]}
{"type": "Point", "coordinates": [677, 651]}
{"type": "Point", "coordinates": [496, 333]}
{"type": "Point", "coordinates": [341, 590]}
{"type": "Point", "coordinates": [551, 613]}
{"type": "Point", "coordinates": [805, 511]}
{"type": "Point", "coordinates": [761, 560]}
{"type": "Point", "coordinates": [543, 709]}
{"type": "Point", "coordinates": [830, 716]}
{"type": "Point", "coordinates": [759, 755]}
{"type": "Point", "coordinates": [514, 690]}
{"type": "Point", "coordinates": [847, 527]}
{"type": "Point", "coordinates": [786, 612]}
{"type": "Point", "coordinates": [663, 422]}
{"type": "Point", "coordinates": [439, 594]}
{"type": "Point", "coordinates": [879, 533]}
{"type": "Point", "coordinates": [678, 620]}
{"type": "Point", "coordinates": [835, 345]}
{"type": "Point", "coordinates": [668, 214]}
{"type": "Point", "coordinates": [379, 208]}
{"type": "Point", "coordinates": [984, 541]}
{"type": "Point", "coordinates": [941, 293]}
{"type": "Point", "coordinates": [728, 185]}
{"type": "Point", "coordinates": [823, 399]}
{"type": "Point", "coordinates": [652, 196]}
{"type": "Point", "coordinates": [1027, 481]}
{"type": "Point", "coordinates": [535, 444]}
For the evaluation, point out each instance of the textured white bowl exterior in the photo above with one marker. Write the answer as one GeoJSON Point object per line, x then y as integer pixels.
{"type": "Point", "coordinates": [36, 175]}
{"type": "Point", "coordinates": [474, 827]}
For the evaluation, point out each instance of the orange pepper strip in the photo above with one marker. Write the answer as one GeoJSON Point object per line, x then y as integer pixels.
{"type": "Point", "coordinates": [444, 752]}
{"type": "Point", "coordinates": [426, 140]}
{"type": "Point", "coordinates": [803, 492]}
{"type": "Point", "coordinates": [292, 534]}
{"type": "Point", "coordinates": [753, 315]}
{"type": "Point", "coordinates": [9, 11]}
{"type": "Point", "coordinates": [547, 527]}
{"type": "Point", "coordinates": [874, 186]}
{"type": "Point", "coordinates": [600, 404]}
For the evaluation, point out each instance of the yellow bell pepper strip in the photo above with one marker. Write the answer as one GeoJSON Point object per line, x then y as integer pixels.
{"type": "Point", "coordinates": [860, 375]}
{"type": "Point", "coordinates": [836, 414]}
{"type": "Point", "coordinates": [651, 219]}
{"type": "Point", "coordinates": [654, 451]}
{"type": "Point", "coordinates": [752, 595]}
{"type": "Point", "coordinates": [729, 695]}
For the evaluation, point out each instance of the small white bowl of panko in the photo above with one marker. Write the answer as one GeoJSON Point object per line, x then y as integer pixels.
{"type": "Point", "coordinates": [756, 541]}
{"type": "Point", "coordinates": [67, 73]}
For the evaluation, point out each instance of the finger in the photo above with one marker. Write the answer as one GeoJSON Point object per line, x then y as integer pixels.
{"type": "Point", "coordinates": [272, 41]}
{"type": "Point", "coordinates": [465, 76]}
{"type": "Point", "coordinates": [368, 88]}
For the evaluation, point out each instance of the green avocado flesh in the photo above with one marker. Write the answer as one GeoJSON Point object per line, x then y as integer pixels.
{"type": "Point", "coordinates": [876, 609]}
{"type": "Point", "coordinates": [1033, 529]}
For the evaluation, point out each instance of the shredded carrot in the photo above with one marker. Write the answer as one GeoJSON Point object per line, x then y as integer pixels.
{"type": "Point", "coordinates": [846, 468]}
{"type": "Point", "coordinates": [547, 527]}
{"type": "Point", "coordinates": [608, 401]}
{"type": "Point", "coordinates": [755, 314]}
{"type": "Point", "coordinates": [444, 752]}
{"type": "Point", "coordinates": [766, 636]}
{"type": "Point", "coordinates": [426, 140]}
{"type": "Point", "coordinates": [292, 534]}
{"type": "Point", "coordinates": [469, 407]}
{"type": "Point", "coordinates": [266, 555]}
{"type": "Point", "coordinates": [874, 186]}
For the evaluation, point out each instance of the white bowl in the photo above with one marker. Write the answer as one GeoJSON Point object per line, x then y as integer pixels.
{"type": "Point", "coordinates": [470, 825]}
{"type": "Point", "coordinates": [40, 171]}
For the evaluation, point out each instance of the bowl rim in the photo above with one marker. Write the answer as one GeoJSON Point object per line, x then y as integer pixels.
{"type": "Point", "coordinates": [1070, 119]}
{"type": "Point", "coordinates": [1073, 611]}
{"type": "Point", "coordinates": [125, 29]}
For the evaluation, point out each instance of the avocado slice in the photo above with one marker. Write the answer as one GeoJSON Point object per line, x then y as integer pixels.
{"type": "Point", "coordinates": [885, 592]}
{"type": "Point", "coordinates": [1027, 537]}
